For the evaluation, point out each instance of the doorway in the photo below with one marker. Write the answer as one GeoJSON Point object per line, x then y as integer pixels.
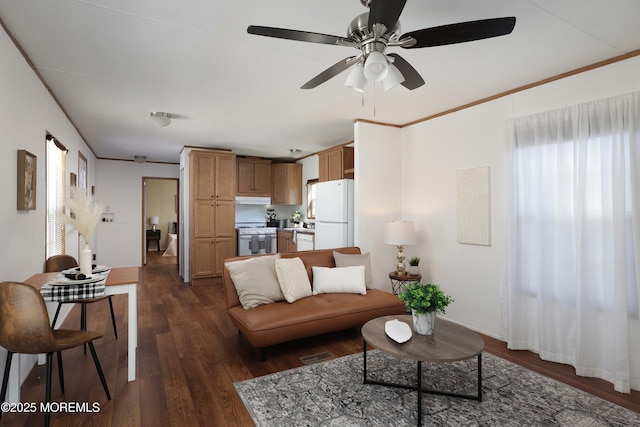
{"type": "Point", "coordinates": [160, 220]}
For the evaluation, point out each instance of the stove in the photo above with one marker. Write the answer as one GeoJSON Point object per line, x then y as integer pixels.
{"type": "Point", "coordinates": [256, 239]}
{"type": "Point", "coordinates": [254, 228]}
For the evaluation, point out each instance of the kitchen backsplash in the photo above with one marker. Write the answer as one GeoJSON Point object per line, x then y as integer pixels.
{"type": "Point", "coordinates": [258, 213]}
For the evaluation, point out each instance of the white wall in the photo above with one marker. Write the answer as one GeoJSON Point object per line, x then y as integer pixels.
{"type": "Point", "coordinates": [378, 199]}
{"type": "Point", "coordinates": [476, 137]}
{"type": "Point", "coordinates": [27, 113]}
{"type": "Point", "coordinates": [119, 187]}
{"type": "Point", "coordinates": [470, 273]}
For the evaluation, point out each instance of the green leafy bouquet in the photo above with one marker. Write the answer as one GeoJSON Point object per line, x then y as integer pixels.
{"type": "Point", "coordinates": [425, 298]}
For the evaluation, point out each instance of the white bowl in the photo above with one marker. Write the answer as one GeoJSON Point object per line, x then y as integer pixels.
{"type": "Point", "coordinates": [398, 331]}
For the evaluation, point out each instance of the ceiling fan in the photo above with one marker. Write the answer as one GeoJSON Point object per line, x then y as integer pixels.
{"type": "Point", "coordinates": [372, 32]}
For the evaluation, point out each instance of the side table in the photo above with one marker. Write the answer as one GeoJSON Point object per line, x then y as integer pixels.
{"type": "Point", "coordinates": [399, 282]}
{"type": "Point", "coordinates": [153, 235]}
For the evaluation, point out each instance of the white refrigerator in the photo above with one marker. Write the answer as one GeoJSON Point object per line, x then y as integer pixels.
{"type": "Point", "coordinates": [334, 214]}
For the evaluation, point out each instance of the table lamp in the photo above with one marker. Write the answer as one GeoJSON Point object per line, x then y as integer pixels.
{"type": "Point", "coordinates": [400, 233]}
{"type": "Point", "coordinates": [154, 220]}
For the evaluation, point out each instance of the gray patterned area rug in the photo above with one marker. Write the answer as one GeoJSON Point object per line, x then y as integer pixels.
{"type": "Point", "coordinates": [332, 393]}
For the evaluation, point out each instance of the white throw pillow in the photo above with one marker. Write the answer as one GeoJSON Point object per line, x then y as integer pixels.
{"type": "Point", "coordinates": [255, 280]}
{"type": "Point", "coordinates": [348, 260]}
{"type": "Point", "coordinates": [343, 280]}
{"type": "Point", "coordinates": [293, 278]}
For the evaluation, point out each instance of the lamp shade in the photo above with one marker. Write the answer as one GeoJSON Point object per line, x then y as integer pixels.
{"type": "Point", "coordinates": [154, 220]}
{"type": "Point", "coordinates": [399, 233]}
{"type": "Point", "coordinates": [393, 79]}
{"type": "Point", "coordinates": [376, 66]}
{"type": "Point", "coordinates": [356, 80]}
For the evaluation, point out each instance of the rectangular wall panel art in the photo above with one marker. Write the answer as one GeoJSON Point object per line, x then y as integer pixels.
{"type": "Point", "coordinates": [474, 220]}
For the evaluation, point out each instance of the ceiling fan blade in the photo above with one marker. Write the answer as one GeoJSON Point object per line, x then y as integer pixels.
{"type": "Point", "coordinates": [303, 36]}
{"type": "Point", "coordinates": [385, 12]}
{"type": "Point", "coordinates": [330, 72]}
{"type": "Point", "coordinates": [461, 32]}
{"type": "Point", "coordinates": [412, 80]}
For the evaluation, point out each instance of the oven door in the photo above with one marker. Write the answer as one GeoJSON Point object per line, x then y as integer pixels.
{"type": "Point", "coordinates": [256, 244]}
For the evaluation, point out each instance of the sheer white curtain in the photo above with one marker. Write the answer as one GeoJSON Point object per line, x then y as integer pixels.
{"type": "Point", "coordinates": [572, 258]}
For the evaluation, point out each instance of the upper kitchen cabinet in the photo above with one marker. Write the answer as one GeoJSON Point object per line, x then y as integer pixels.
{"type": "Point", "coordinates": [225, 170]}
{"type": "Point", "coordinates": [214, 175]}
{"type": "Point", "coordinates": [336, 163]}
{"type": "Point", "coordinates": [254, 177]}
{"type": "Point", "coordinates": [286, 184]}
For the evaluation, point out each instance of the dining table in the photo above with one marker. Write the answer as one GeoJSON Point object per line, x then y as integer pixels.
{"type": "Point", "coordinates": [120, 280]}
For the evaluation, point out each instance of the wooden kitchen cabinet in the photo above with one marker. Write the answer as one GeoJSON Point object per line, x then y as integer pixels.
{"type": "Point", "coordinates": [225, 247]}
{"type": "Point", "coordinates": [286, 184]}
{"type": "Point", "coordinates": [208, 255]}
{"type": "Point", "coordinates": [202, 256]}
{"type": "Point", "coordinates": [336, 163]}
{"type": "Point", "coordinates": [284, 242]}
{"type": "Point", "coordinates": [212, 212]}
{"type": "Point", "coordinates": [225, 187]}
{"type": "Point", "coordinates": [253, 177]}
{"type": "Point", "coordinates": [214, 218]}
{"type": "Point", "coordinates": [213, 175]}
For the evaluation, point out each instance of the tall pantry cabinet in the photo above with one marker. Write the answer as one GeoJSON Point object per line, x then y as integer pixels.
{"type": "Point", "coordinates": [212, 206]}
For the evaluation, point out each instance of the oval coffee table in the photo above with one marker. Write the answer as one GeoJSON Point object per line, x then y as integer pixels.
{"type": "Point", "coordinates": [449, 343]}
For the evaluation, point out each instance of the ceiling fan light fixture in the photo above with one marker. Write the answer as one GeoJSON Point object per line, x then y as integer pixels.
{"type": "Point", "coordinates": [393, 79]}
{"type": "Point", "coordinates": [160, 119]}
{"type": "Point", "coordinates": [376, 66]}
{"type": "Point", "coordinates": [356, 79]}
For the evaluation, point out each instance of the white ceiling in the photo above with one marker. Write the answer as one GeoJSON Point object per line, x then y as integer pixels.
{"type": "Point", "coordinates": [111, 62]}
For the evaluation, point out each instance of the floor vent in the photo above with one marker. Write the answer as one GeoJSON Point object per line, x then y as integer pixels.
{"type": "Point", "coordinates": [318, 357]}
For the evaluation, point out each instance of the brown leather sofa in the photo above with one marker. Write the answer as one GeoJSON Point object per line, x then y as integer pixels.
{"type": "Point", "coordinates": [279, 322]}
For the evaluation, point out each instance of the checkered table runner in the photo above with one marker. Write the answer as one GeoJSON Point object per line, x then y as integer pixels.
{"type": "Point", "coordinates": [69, 293]}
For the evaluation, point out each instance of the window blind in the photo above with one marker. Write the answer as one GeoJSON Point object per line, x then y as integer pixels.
{"type": "Point", "coordinates": [56, 161]}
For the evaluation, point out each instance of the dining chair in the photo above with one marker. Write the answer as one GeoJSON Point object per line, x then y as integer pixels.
{"type": "Point", "coordinates": [24, 328]}
{"type": "Point", "coordinates": [65, 262]}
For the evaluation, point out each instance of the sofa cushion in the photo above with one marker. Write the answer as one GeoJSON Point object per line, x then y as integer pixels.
{"type": "Point", "coordinates": [293, 279]}
{"type": "Point", "coordinates": [342, 280]}
{"type": "Point", "coordinates": [346, 260]}
{"type": "Point", "coordinates": [281, 322]}
{"type": "Point", "coordinates": [255, 280]}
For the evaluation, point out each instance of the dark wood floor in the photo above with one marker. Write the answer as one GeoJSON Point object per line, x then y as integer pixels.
{"type": "Point", "coordinates": [189, 356]}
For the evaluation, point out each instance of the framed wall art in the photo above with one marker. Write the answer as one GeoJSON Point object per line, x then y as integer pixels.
{"type": "Point", "coordinates": [27, 171]}
{"type": "Point", "coordinates": [82, 171]}
{"type": "Point", "coordinates": [73, 179]}
{"type": "Point", "coordinates": [473, 203]}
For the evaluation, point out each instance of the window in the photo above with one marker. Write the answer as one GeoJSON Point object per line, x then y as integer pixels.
{"type": "Point", "coordinates": [311, 198]}
{"type": "Point", "coordinates": [572, 191]}
{"type": "Point", "coordinates": [56, 161]}
{"type": "Point", "coordinates": [573, 237]}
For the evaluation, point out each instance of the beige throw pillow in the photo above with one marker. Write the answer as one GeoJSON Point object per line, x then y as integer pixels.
{"type": "Point", "coordinates": [339, 280]}
{"type": "Point", "coordinates": [293, 278]}
{"type": "Point", "coordinates": [345, 260]}
{"type": "Point", "coordinates": [255, 280]}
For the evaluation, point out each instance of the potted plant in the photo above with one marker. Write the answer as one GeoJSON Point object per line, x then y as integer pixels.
{"type": "Point", "coordinates": [414, 268]}
{"type": "Point", "coordinates": [295, 217]}
{"type": "Point", "coordinates": [425, 300]}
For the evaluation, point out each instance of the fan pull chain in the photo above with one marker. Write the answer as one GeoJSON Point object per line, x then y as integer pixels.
{"type": "Point", "coordinates": [374, 99]}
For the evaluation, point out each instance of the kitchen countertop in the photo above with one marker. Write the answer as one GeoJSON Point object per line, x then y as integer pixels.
{"type": "Point", "coordinates": [299, 230]}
